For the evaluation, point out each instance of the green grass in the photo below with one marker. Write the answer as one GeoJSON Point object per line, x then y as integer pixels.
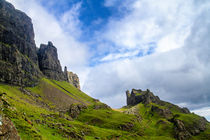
{"type": "Point", "coordinates": [102, 123]}
{"type": "Point", "coordinates": [76, 93]}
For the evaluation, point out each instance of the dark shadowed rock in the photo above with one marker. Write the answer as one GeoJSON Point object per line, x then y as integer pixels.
{"type": "Point", "coordinates": [18, 57]}
{"type": "Point", "coordinates": [16, 29]}
{"type": "Point", "coordinates": [181, 132]}
{"type": "Point", "coordinates": [162, 112]}
{"type": "Point", "coordinates": [184, 130]}
{"type": "Point", "coordinates": [139, 96]}
{"type": "Point", "coordinates": [49, 63]}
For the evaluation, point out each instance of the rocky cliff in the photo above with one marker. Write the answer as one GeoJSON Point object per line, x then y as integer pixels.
{"type": "Point", "coordinates": [18, 57]}
{"type": "Point", "coordinates": [49, 63]}
{"type": "Point", "coordinates": [21, 62]}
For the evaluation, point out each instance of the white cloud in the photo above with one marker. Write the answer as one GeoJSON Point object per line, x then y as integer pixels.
{"type": "Point", "coordinates": [116, 56]}
{"type": "Point", "coordinates": [179, 69]}
{"type": "Point", "coordinates": [165, 22]}
{"type": "Point", "coordinates": [203, 112]}
{"type": "Point", "coordinates": [70, 20]}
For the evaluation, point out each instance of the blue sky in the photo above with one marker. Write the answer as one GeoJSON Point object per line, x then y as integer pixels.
{"type": "Point", "coordinates": [116, 45]}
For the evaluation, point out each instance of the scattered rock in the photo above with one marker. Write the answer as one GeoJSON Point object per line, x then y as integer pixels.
{"type": "Point", "coordinates": [126, 127]}
{"type": "Point", "coordinates": [163, 112]}
{"type": "Point", "coordinates": [7, 129]}
{"type": "Point", "coordinates": [75, 109]}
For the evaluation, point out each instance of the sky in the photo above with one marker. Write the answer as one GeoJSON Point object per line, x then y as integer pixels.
{"type": "Point", "coordinates": [115, 45]}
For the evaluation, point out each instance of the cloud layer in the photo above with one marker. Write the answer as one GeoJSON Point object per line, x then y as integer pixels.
{"type": "Point", "coordinates": [177, 70]}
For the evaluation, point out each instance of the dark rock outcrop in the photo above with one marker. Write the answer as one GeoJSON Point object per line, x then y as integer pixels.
{"type": "Point", "coordinates": [181, 132]}
{"type": "Point", "coordinates": [49, 63]}
{"type": "Point", "coordinates": [162, 112]}
{"type": "Point", "coordinates": [184, 131]}
{"type": "Point", "coordinates": [75, 109]}
{"type": "Point", "coordinates": [20, 60]}
{"type": "Point", "coordinates": [139, 96]}
{"type": "Point", "coordinates": [18, 57]}
{"type": "Point", "coordinates": [16, 29]}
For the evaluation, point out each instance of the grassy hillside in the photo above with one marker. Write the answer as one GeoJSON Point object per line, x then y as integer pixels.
{"type": "Point", "coordinates": [43, 112]}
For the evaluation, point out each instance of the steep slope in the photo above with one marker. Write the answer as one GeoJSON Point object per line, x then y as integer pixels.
{"type": "Point", "coordinates": [38, 113]}
{"type": "Point", "coordinates": [58, 110]}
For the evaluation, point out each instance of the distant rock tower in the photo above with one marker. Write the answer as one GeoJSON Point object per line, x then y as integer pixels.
{"type": "Point", "coordinates": [66, 73]}
{"type": "Point", "coordinates": [72, 78]}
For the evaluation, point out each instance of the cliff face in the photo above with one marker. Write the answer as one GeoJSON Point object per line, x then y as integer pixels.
{"type": "Point", "coordinates": [49, 63]}
{"type": "Point", "coordinates": [18, 57]}
{"type": "Point", "coordinates": [16, 30]}
{"type": "Point", "coordinates": [20, 60]}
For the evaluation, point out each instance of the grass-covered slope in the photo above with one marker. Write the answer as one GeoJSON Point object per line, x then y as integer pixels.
{"type": "Point", "coordinates": [41, 112]}
{"type": "Point", "coordinates": [55, 110]}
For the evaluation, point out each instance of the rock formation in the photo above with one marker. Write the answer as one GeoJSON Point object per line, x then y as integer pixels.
{"type": "Point", "coordinates": [72, 78]}
{"type": "Point", "coordinates": [49, 63]}
{"type": "Point", "coordinates": [18, 57]}
{"type": "Point", "coordinates": [139, 96]}
{"type": "Point", "coordinates": [20, 60]}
